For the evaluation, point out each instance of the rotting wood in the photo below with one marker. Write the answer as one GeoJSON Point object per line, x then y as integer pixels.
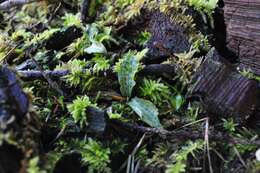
{"type": "Point", "coordinates": [63, 38]}
{"type": "Point", "coordinates": [13, 101]}
{"type": "Point", "coordinates": [242, 18]}
{"type": "Point", "coordinates": [167, 38]}
{"type": "Point", "coordinates": [225, 92]}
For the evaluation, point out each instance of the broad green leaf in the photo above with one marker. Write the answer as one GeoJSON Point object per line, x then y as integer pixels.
{"type": "Point", "coordinates": [212, 4]}
{"type": "Point", "coordinates": [126, 69]}
{"type": "Point", "coordinates": [146, 110]}
{"type": "Point", "coordinates": [92, 31]}
{"type": "Point", "coordinates": [177, 102]}
{"type": "Point", "coordinates": [96, 47]}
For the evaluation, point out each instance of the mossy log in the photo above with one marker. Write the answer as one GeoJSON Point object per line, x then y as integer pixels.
{"type": "Point", "coordinates": [167, 38]}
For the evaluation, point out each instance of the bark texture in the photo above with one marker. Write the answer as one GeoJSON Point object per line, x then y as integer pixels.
{"type": "Point", "coordinates": [167, 38]}
{"type": "Point", "coordinates": [242, 18]}
{"type": "Point", "coordinates": [13, 101]}
{"type": "Point", "coordinates": [223, 90]}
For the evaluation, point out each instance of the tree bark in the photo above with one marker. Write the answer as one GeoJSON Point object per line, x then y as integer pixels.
{"type": "Point", "coordinates": [242, 18]}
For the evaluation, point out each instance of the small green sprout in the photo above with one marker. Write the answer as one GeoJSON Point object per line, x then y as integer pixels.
{"type": "Point", "coordinates": [206, 6]}
{"type": "Point", "coordinates": [143, 38]}
{"type": "Point", "coordinates": [33, 166]}
{"type": "Point", "coordinates": [156, 91]}
{"type": "Point", "coordinates": [96, 157]}
{"type": "Point", "coordinates": [248, 73]}
{"type": "Point", "coordinates": [78, 109]}
{"type": "Point", "coordinates": [77, 73]}
{"type": "Point", "coordinates": [71, 20]}
{"type": "Point", "coordinates": [229, 125]}
{"type": "Point", "coordinates": [100, 63]}
{"type": "Point", "coordinates": [180, 158]}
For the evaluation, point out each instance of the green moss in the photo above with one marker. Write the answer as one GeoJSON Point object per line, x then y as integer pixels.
{"type": "Point", "coordinates": [78, 110]}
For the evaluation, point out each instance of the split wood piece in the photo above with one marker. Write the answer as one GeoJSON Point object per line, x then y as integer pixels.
{"type": "Point", "coordinates": [242, 18]}
{"type": "Point", "coordinates": [224, 92]}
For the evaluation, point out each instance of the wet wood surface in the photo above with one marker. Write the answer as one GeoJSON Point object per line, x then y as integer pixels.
{"type": "Point", "coordinates": [223, 90]}
{"type": "Point", "coordinates": [242, 18]}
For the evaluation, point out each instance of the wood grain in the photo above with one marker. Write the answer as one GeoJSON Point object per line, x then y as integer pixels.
{"type": "Point", "coordinates": [224, 91]}
{"type": "Point", "coordinates": [242, 18]}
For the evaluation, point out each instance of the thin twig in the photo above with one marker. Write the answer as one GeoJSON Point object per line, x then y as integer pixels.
{"type": "Point", "coordinates": [239, 157]}
{"type": "Point", "coordinates": [36, 74]}
{"type": "Point", "coordinates": [13, 3]}
{"type": "Point", "coordinates": [54, 13]}
{"type": "Point", "coordinates": [53, 84]}
{"type": "Point", "coordinates": [130, 161]}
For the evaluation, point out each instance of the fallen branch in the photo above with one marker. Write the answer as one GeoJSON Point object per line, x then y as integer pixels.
{"type": "Point", "coordinates": [154, 69]}
{"type": "Point", "coordinates": [182, 134]}
{"type": "Point", "coordinates": [52, 83]}
{"type": "Point", "coordinates": [12, 3]}
{"type": "Point", "coordinates": [36, 74]}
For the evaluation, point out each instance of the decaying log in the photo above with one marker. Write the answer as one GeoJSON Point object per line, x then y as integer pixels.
{"type": "Point", "coordinates": [13, 101]}
{"type": "Point", "coordinates": [242, 18]}
{"type": "Point", "coordinates": [224, 91]}
{"type": "Point", "coordinates": [167, 37]}
{"type": "Point", "coordinates": [63, 38]}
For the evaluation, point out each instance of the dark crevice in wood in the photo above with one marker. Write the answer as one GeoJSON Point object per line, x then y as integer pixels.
{"type": "Point", "coordinates": [219, 36]}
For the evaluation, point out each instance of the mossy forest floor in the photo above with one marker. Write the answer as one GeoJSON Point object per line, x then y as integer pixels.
{"type": "Point", "coordinates": [106, 86]}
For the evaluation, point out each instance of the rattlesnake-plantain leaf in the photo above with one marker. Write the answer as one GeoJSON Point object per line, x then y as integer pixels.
{"type": "Point", "coordinates": [126, 69]}
{"type": "Point", "coordinates": [146, 110]}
